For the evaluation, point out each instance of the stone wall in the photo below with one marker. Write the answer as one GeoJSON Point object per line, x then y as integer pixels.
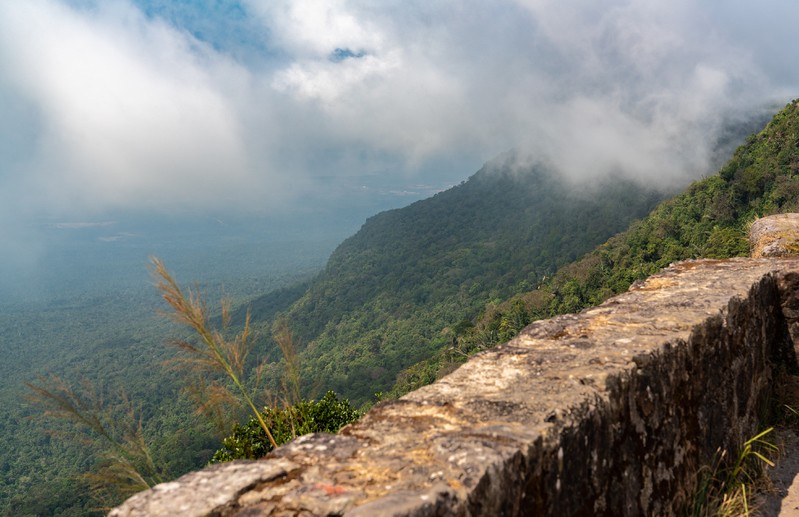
{"type": "Point", "coordinates": [610, 411]}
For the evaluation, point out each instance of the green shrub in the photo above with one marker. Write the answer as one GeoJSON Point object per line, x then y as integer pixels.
{"type": "Point", "coordinates": [249, 441]}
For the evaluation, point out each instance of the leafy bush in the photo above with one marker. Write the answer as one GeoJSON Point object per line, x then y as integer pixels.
{"type": "Point", "coordinates": [249, 441]}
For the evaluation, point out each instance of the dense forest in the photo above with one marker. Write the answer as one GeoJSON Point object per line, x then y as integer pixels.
{"type": "Point", "coordinates": [392, 294]}
{"type": "Point", "coordinates": [100, 328]}
{"type": "Point", "coordinates": [709, 220]}
{"type": "Point", "coordinates": [400, 303]}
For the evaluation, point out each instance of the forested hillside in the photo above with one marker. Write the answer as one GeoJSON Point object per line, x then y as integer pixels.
{"type": "Point", "coordinates": [709, 220]}
{"type": "Point", "coordinates": [393, 293]}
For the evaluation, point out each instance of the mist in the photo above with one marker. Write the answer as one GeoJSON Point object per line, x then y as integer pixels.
{"type": "Point", "coordinates": [310, 108]}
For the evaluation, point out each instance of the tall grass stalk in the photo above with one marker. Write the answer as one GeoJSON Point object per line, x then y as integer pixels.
{"type": "Point", "coordinates": [127, 465]}
{"type": "Point", "coordinates": [281, 333]}
{"type": "Point", "coordinates": [216, 353]}
{"type": "Point", "coordinates": [726, 490]}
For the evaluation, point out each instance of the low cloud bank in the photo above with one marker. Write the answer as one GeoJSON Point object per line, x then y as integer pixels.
{"type": "Point", "coordinates": [144, 106]}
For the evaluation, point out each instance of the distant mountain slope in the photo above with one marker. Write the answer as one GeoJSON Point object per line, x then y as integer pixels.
{"type": "Point", "coordinates": [392, 293]}
{"type": "Point", "coordinates": [709, 220]}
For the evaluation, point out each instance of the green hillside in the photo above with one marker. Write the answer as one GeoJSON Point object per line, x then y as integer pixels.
{"type": "Point", "coordinates": [709, 220]}
{"type": "Point", "coordinates": [392, 294]}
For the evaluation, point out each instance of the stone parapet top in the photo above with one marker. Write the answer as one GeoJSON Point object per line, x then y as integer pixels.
{"type": "Point", "coordinates": [775, 236]}
{"type": "Point", "coordinates": [573, 403]}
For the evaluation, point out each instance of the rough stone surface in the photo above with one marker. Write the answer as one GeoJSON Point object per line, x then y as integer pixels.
{"type": "Point", "coordinates": [607, 412]}
{"type": "Point", "coordinates": [207, 492]}
{"type": "Point", "coordinates": [775, 236]}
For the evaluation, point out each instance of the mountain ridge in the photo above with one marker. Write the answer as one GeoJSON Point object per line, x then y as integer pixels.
{"type": "Point", "coordinates": [708, 220]}
{"type": "Point", "coordinates": [390, 293]}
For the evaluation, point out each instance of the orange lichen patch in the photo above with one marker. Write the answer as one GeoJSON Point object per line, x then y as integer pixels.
{"type": "Point", "coordinates": [331, 489]}
{"type": "Point", "coordinates": [455, 484]}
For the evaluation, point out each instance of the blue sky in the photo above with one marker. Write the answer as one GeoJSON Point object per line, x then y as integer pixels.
{"type": "Point", "coordinates": [227, 26]}
{"type": "Point", "coordinates": [263, 106]}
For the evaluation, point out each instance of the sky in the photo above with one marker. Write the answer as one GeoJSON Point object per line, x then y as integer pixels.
{"type": "Point", "coordinates": [265, 106]}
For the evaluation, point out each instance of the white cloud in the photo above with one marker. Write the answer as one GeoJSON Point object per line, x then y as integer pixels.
{"type": "Point", "coordinates": [102, 107]}
{"type": "Point", "coordinates": [130, 110]}
{"type": "Point", "coordinates": [329, 81]}
{"type": "Point", "coordinates": [315, 28]}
